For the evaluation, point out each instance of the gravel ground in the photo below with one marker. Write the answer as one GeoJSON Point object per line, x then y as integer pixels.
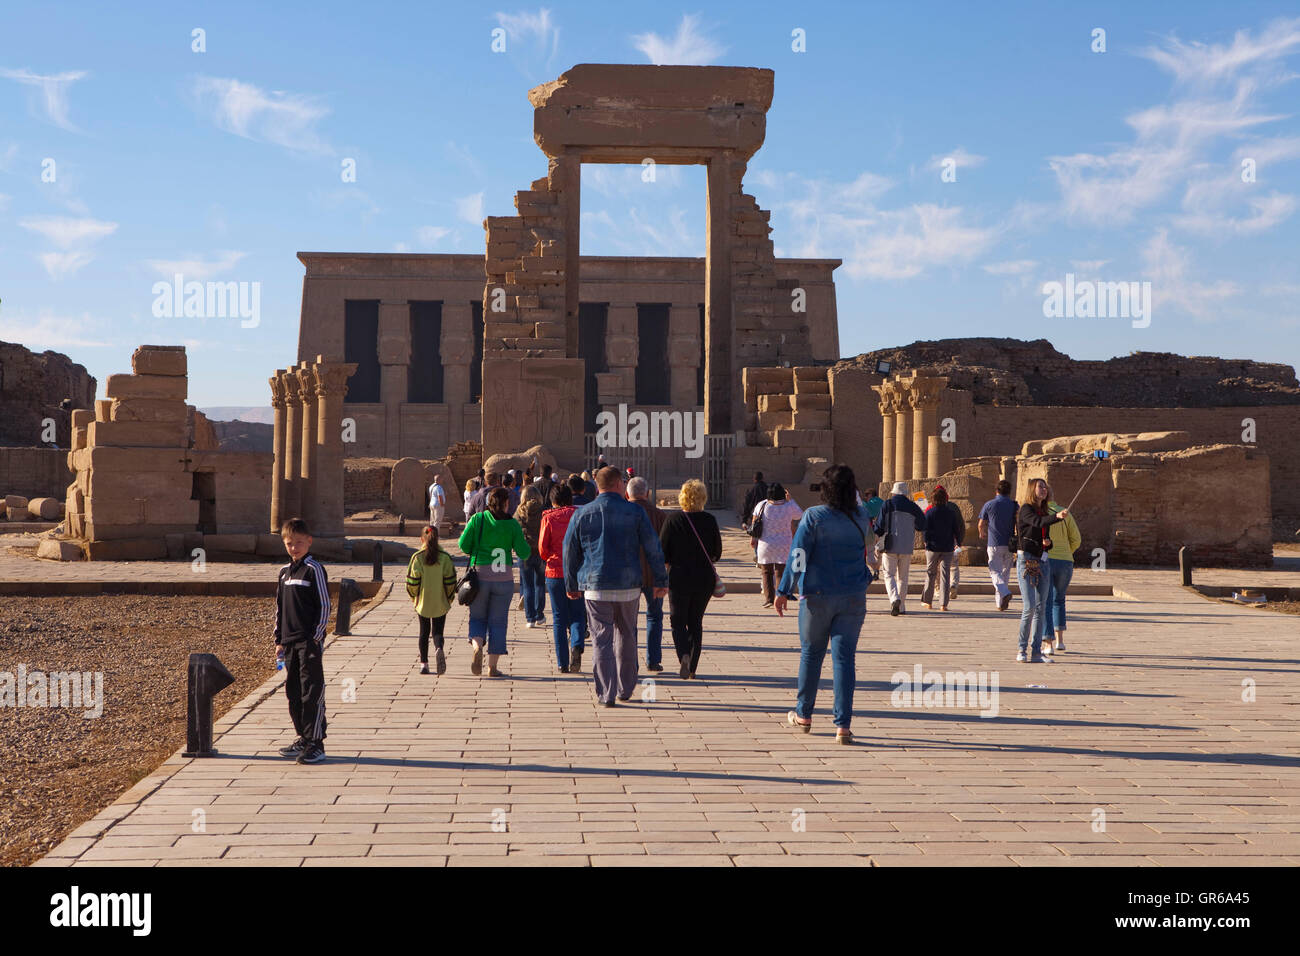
{"type": "Point", "coordinates": [57, 768]}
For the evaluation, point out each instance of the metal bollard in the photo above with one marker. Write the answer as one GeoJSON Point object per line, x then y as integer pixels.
{"type": "Point", "coordinates": [348, 592]}
{"type": "Point", "coordinates": [377, 572]}
{"type": "Point", "coordinates": [207, 677]}
{"type": "Point", "coordinates": [1185, 565]}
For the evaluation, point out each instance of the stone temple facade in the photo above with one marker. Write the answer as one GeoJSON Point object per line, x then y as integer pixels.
{"type": "Point", "coordinates": [413, 326]}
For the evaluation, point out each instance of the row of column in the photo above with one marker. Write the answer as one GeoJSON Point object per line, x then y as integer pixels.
{"type": "Point", "coordinates": [912, 448]}
{"type": "Point", "coordinates": [307, 478]}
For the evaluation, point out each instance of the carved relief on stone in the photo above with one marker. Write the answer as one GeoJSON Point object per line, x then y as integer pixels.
{"type": "Point", "coordinates": [620, 350]}
{"type": "Point", "coordinates": [289, 379]}
{"type": "Point", "coordinates": [684, 351]}
{"type": "Point", "coordinates": [277, 390]}
{"type": "Point", "coordinates": [456, 349]}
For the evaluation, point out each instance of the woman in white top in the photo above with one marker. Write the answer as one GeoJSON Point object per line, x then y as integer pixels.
{"type": "Point", "coordinates": [780, 514]}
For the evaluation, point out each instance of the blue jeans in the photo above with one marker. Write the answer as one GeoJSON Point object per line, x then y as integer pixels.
{"type": "Point", "coordinates": [1034, 608]}
{"type": "Point", "coordinates": [568, 621]}
{"type": "Point", "coordinates": [654, 627]}
{"type": "Point", "coordinates": [1059, 583]}
{"type": "Point", "coordinates": [489, 612]}
{"type": "Point", "coordinates": [834, 620]}
{"type": "Point", "coordinates": [532, 582]}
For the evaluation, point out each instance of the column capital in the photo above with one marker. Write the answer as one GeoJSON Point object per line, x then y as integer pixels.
{"type": "Point", "coordinates": [332, 378]}
{"type": "Point", "coordinates": [923, 391]}
{"type": "Point", "coordinates": [306, 375]}
{"type": "Point", "coordinates": [277, 390]}
{"type": "Point", "coordinates": [289, 381]}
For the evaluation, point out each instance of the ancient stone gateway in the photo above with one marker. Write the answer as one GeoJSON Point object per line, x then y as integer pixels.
{"type": "Point", "coordinates": [533, 376]}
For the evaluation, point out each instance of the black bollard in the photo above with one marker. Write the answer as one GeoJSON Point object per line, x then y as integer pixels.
{"type": "Point", "coordinates": [207, 676]}
{"type": "Point", "coordinates": [1185, 565]}
{"type": "Point", "coordinates": [401, 526]}
{"type": "Point", "coordinates": [348, 592]}
{"type": "Point", "coordinates": [377, 572]}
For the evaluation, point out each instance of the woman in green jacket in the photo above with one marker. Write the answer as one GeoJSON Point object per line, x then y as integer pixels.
{"type": "Point", "coordinates": [1065, 541]}
{"type": "Point", "coordinates": [431, 581]}
{"type": "Point", "coordinates": [491, 539]}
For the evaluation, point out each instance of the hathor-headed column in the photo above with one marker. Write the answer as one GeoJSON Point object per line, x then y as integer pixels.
{"type": "Point", "coordinates": [291, 493]}
{"type": "Point", "coordinates": [331, 387]}
{"type": "Point", "coordinates": [888, 408]}
{"type": "Point", "coordinates": [307, 508]}
{"type": "Point", "coordinates": [277, 449]}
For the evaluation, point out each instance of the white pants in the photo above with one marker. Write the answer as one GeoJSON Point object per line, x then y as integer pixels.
{"type": "Point", "coordinates": [435, 515]}
{"type": "Point", "coordinates": [1000, 571]}
{"type": "Point", "coordinates": [894, 569]}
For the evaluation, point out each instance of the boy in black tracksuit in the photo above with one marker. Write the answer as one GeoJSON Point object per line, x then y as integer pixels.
{"type": "Point", "coordinates": [302, 607]}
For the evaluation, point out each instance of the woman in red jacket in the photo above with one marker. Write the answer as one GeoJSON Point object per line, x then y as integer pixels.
{"type": "Point", "coordinates": [568, 617]}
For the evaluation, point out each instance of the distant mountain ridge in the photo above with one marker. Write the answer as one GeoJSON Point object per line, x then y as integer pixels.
{"type": "Point", "coordinates": [261, 414]}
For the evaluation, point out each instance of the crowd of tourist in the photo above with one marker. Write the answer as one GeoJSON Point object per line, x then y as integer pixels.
{"type": "Point", "coordinates": [593, 547]}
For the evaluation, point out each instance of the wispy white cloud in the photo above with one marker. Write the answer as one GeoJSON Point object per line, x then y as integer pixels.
{"type": "Point", "coordinates": [199, 270]}
{"type": "Point", "coordinates": [283, 119]}
{"type": "Point", "coordinates": [828, 218]}
{"type": "Point", "coordinates": [470, 209]}
{"type": "Point", "coordinates": [688, 47]}
{"type": "Point", "coordinates": [50, 92]}
{"type": "Point", "coordinates": [430, 236]}
{"type": "Point", "coordinates": [73, 236]}
{"type": "Point", "coordinates": [961, 157]}
{"type": "Point", "coordinates": [65, 232]}
{"type": "Point", "coordinates": [1014, 267]}
{"type": "Point", "coordinates": [1089, 266]}
{"type": "Point", "coordinates": [462, 155]}
{"type": "Point", "coordinates": [1201, 63]}
{"type": "Point", "coordinates": [1174, 143]}
{"type": "Point", "coordinates": [48, 331]}
{"type": "Point", "coordinates": [1170, 271]}
{"type": "Point", "coordinates": [7, 158]}
{"type": "Point", "coordinates": [532, 40]}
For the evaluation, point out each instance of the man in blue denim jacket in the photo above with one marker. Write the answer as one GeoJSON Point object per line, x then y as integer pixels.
{"type": "Point", "coordinates": [602, 563]}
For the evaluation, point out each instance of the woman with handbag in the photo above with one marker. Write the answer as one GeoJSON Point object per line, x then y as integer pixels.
{"type": "Point", "coordinates": [691, 543]}
{"type": "Point", "coordinates": [771, 531]}
{"type": "Point", "coordinates": [491, 539]}
{"type": "Point", "coordinates": [828, 569]}
{"type": "Point", "coordinates": [1033, 541]}
{"type": "Point", "coordinates": [431, 584]}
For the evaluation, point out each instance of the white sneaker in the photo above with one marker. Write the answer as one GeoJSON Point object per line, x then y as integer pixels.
{"type": "Point", "coordinates": [1047, 648]}
{"type": "Point", "coordinates": [1020, 657]}
{"type": "Point", "coordinates": [1060, 644]}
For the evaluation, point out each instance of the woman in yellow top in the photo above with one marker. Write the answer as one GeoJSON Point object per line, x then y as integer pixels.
{"type": "Point", "coordinates": [1065, 541]}
{"type": "Point", "coordinates": [431, 582]}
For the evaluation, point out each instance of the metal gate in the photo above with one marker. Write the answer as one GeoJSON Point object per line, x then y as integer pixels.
{"type": "Point", "coordinates": [641, 460]}
{"type": "Point", "coordinates": [717, 452]}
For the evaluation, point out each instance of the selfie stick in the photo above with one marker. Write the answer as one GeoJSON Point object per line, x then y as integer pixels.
{"type": "Point", "coordinates": [1101, 456]}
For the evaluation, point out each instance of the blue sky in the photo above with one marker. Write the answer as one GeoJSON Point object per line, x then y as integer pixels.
{"type": "Point", "coordinates": [1122, 165]}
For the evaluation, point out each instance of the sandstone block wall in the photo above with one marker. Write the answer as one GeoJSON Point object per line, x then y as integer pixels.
{"type": "Point", "coordinates": [146, 467]}
{"type": "Point", "coordinates": [1142, 507]}
{"type": "Point", "coordinates": [34, 472]}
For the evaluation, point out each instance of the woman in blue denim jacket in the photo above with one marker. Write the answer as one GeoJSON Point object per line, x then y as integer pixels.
{"type": "Point", "coordinates": [827, 567]}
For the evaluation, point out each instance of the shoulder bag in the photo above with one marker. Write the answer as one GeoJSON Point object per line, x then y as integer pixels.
{"type": "Point", "coordinates": [756, 523]}
{"type": "Point", "coordinates": [719, 589]}
{"type": "Point", "coordinates": [467, 588]}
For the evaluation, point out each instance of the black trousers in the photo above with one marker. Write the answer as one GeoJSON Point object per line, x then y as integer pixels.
{"type": "Point", "coordinates": [304, 685]}
{"type": "Point", "coordinates": [435, 624]}
{"type": "Point", "coordinates": [686, 615]}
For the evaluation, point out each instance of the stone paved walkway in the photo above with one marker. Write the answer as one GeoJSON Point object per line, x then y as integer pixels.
{"type": "Point", "coordinates": [1143, 722]}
